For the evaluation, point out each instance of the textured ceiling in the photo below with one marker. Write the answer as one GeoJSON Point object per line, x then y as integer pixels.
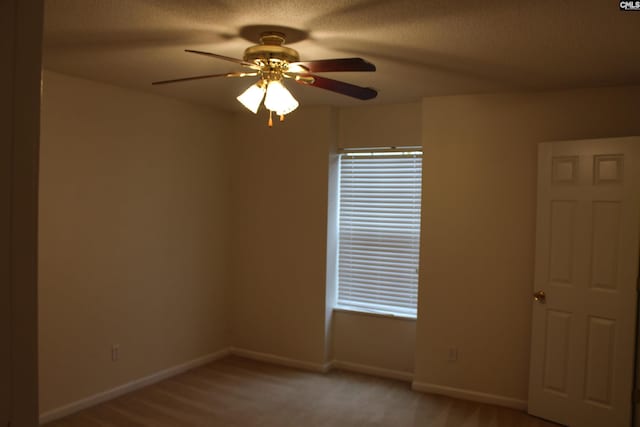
{"type": "Point", "coordinates": [421, 48]}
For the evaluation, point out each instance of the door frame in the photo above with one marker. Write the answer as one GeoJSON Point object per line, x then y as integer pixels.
{"type": "Point", "coordinates": [20, 75]}
{"type": "Point", "coordinates": [635, 395]}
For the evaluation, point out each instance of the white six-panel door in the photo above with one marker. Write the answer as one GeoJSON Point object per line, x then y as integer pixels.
{"type": "Point", "coordinates": [586, 263]}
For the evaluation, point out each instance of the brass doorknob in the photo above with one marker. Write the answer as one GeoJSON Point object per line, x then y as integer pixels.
{"type": "Point", "coordinates": [540, 297]}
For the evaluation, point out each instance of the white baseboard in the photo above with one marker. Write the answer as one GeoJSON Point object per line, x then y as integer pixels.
{"type": "Point", "coordinates": [475, 396]}
{"type": "Point", "coordinates": [87, 402]}
{"type": "Point", "coordinates": [279, 360]}
{"type": "Point", "coordinates": [372, 370]}
{"type": "Point", "coordinates": [322, 367]}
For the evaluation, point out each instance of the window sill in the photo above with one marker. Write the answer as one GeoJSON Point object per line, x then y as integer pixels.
{"type": "Point", "coordinates": [364, 312]}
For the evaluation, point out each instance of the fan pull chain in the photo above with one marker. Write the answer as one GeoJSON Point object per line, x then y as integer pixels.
{"type": "Point", "coordinates": [270, 119]}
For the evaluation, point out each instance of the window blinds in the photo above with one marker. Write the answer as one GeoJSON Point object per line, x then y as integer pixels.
{"type": "Point", "coordinates": [379, 231]}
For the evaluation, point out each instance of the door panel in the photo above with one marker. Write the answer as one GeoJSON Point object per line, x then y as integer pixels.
{"type": "Point", "coordinates": [588, 221]}
{"type": "Point", "coordinates": [556, 358]}
{"type": "Point", "coordinates": [604, 253]}
{"type": "Point", "coordinates": [600, 350]}
{"type": "Point", "coordinates": [561, 241]}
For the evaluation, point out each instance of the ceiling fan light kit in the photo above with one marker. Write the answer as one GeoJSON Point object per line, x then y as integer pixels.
{"type": "Point", "coordinates": [279, 99]}
{"type": "Point", "coordinates": [273, 63]}
{"type": "Point", "coordinates": [253, 96]}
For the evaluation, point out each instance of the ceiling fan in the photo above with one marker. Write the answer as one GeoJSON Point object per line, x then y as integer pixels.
{"type": "Point", "coordinates": [272, 63]}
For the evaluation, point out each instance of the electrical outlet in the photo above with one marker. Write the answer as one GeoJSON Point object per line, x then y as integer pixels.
{"type": "Point", "coordinates": [453, 354]}
{"type": "Point", "coordinates": [115, 352]}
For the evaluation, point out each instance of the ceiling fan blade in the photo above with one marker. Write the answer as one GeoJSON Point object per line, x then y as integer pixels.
{"type": "Point", "coordinates": [207, 76]}
{"type": "Point", "coordinates": [225, 58]}
{"type": "Point", "coordinates": [331, 65]}
{"type": "Point", "coordinates": [344, 88]}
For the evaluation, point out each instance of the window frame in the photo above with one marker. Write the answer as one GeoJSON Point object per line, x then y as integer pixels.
{"type": "Point", "coordinates": [369, 307]}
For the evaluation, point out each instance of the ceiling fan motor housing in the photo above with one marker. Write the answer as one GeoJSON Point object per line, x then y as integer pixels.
{"type": "Point", "coordinates": [270, 51]}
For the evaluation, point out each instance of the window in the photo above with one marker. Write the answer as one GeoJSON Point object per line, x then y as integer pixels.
{"type": "Point", "coordinates": [379, 231]}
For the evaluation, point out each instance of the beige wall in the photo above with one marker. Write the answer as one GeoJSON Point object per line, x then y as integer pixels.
{"type": "Point", "coordinates": [374, 341]}
{"type": "Point", "coordinates": [284, 203]}
{"type": "Point", "coordinates": [279, 189]}
{"type": "Point", "coordinates": [358, 338]}
{"type": "Point", "coordinates": [380, 126]}
{"type": "Point", "coordinates": [478, 225]}
{"type": "Point", "coordinates": [20, 51]}
{"type": "Point", "coordinates": [133, 236]}
{"type": "Point", "coordinates": [332, 242]}
{"type": "Point", "coordinates": [139, 198]}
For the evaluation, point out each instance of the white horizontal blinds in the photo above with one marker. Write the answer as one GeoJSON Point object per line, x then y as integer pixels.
{"type": "Point", "coordinates": [379, 231]}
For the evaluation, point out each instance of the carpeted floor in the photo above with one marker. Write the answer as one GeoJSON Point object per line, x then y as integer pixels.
{"type": "Point", "coordinates": [236, 392]}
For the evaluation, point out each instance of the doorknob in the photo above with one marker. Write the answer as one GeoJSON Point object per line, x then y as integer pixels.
{"type": "Point", "coordinates": [540, 297]}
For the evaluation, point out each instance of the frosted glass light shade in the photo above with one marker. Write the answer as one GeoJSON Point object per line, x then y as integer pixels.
{"type": "Point", "coordinates": [252, 97]}
{"type": "Point", "coordinates": [279, 99]}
